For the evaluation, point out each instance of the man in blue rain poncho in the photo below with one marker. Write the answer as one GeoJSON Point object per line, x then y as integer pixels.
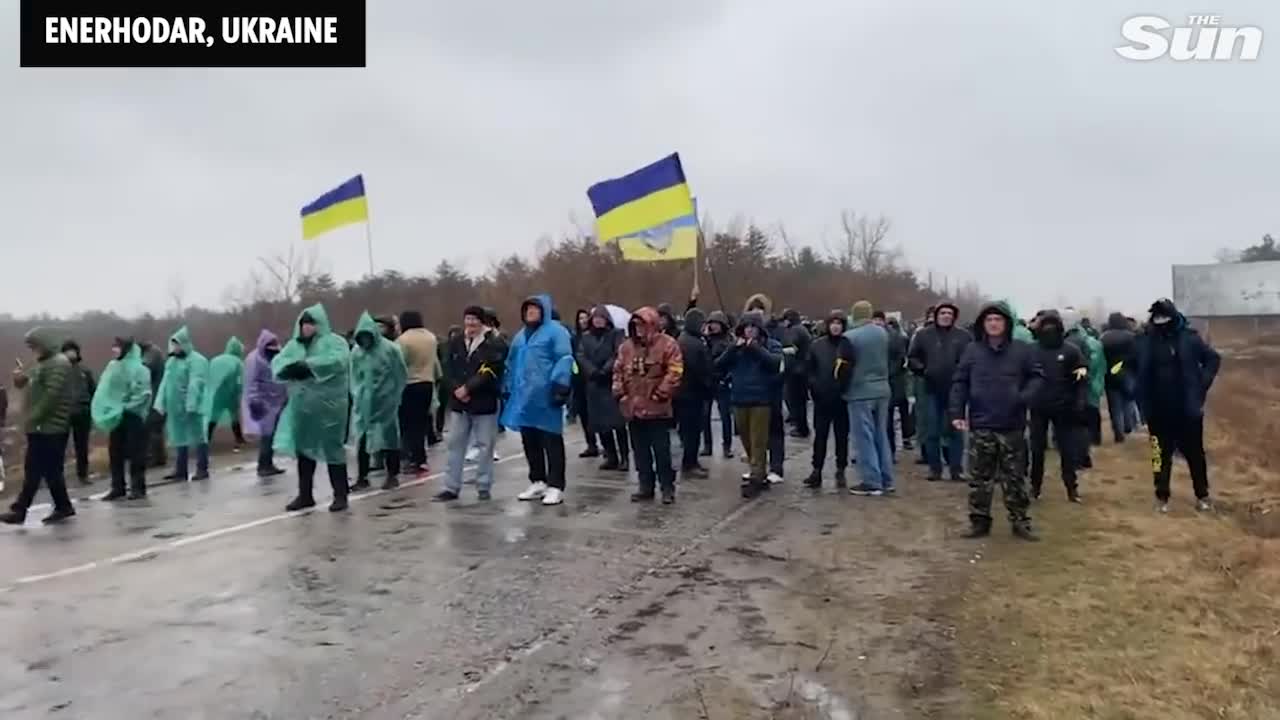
{"type": "Point", "coordinates": [120, 407]}
{"type": "Point", "coordinates": [226, 385]}
{"type": "Point", "coordinates": [314, 424]}
{"type": "Point", "coordinates": [536, 387]}
{"type": "Point", "coordinates": [378, 377]}
{"type": "Point", "coordinates": [181, 400]}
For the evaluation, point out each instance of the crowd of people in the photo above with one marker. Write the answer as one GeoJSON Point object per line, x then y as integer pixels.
{"type": "Point", "coordinates": [984, 396]}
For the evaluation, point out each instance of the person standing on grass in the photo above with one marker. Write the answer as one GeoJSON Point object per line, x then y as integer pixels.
{"type": "Point", "coordinates": [313, 428]}
{"type": "Point", "coordinates": [830, 365]}
{"type": "Point", "coordinates": [694, 393]}
{"type": "Point", "coordinates": [378, 376]}
{"type": "Point", "coordinates": [1119, 345]}
{"type": "Point", "coordinates": [48, 404]}
{"type": "Point", "coordinates": [120, 406]}
{"type": "Point", "coordinates": [82, 388]}
{"type": "Point", "coordinates": [646, 377]}
{"type": "Point", "coordinates": [596, 355]}
{"type": "Point", "coordinates": [263, 400]}
{"type": "Point", "coordinates": [934, 354]}
{"type": "Point", "coordinates": [226, 390]}
{"type": "Point", "coordinates": [995, 382]}
{"type": "Point", "coordinates": [1090, 425]}
{"type": "Point", "coordinates": [752, 365]}
{"type": "Point", "coordinates": [868, 397]}
{"type": "Point", "coordinates": [477, 361]}
{"type": "Point", "coordinates": [537, 386]}
{"type": "Point", "coordinates": [1062, 402]}
{"type": "Point", "coordinates": [419, 347]}
{"type": "Point", "coordinates": [183, 403]}
{"type": "Point", "coordinates": [1174, 370]}
{"type": "Point", "coordinates": [719, 339]}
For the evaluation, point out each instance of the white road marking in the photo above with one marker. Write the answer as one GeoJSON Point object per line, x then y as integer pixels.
{"type": "Point", "coordinates": [212, 534]}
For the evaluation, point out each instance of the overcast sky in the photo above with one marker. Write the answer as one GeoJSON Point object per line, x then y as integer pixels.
{"type": "Point", "coordinates": [1006, 140]}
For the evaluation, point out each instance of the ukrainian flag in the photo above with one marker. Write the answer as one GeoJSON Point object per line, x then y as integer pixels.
{"type": "Point", "coordinates": [343, 205]}
{"type": "Point", "coordinates": [648, 199]}
{"type": "Point", "coordinates": [675, 240]}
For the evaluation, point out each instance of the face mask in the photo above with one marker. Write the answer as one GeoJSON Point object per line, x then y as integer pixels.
{"type": "Point", "coordinates": [271, 352]}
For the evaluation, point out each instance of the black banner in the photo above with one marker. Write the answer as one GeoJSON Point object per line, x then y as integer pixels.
{"type": "Point", "coordinates": [192, 33]}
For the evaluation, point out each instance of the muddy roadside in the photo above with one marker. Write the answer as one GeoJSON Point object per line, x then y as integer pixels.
{"type": "Point", "coordinates": [800, 605]}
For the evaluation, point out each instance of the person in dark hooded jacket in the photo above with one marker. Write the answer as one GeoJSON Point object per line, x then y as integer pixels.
{"type": "Point", "coordinates": [995, 382]}
{"type": "Point", "coordinates": [82, 389]}
{"type": "Point", "coordinates": [753, 364]}
{"type": "Point", "coordinates": [898, 379]}
{"type": "Point", "coordinates": [578, 406]}
{"type": "Point", "coordinates": [828, 367]}
{"type": "Point", "coordinates": [1061, 403]}
{"type": "Point", "coordinates": [796, 347]}
{"type": "Point", "coordinates": [719, 339]}
{"type": "Point", "coordinates": [762, 304]}
{"type": "Point", "coordinates": [597, 352]}
{"type": "Point", "coordinates": [934, 354]}
{"type": "Point", "coordinates": [695, 392]}
{"type": "Point", "coordinates": [1119, 345]}
{"type": "Point", "coordinates": [1175, 368]}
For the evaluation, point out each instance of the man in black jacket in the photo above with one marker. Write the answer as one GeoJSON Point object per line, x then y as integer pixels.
{"type": "Point", "coordinates": [795, 344]}
{"type": "Point", "coordinates": [934, 354]}
{"type": "Point", "coordinates": [477, 361]}
{"type": "Point", "coordinates": [695, 391]}
{"type": "Point", "coordinates": [719, 339]}
{"type": "Point", "coordinates": [1119, 345]}
{"type": "Point", "coordinates": [994, 383]}
{"type": "Point", "coordinates": [898, 377]}
{"type": "Point", "coordinates": [596, 354]}
{"type": "Point", "coordinates": [828, 369]}
{"type": "Point", "coordinates": [82, 387]}
{"type": "Point", "coordinates": [579, 407]}
{"type": "Point", "coordinates": [1062, 402]}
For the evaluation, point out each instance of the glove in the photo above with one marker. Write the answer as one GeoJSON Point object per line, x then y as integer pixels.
{"type": "Point", "coordinates": [295, 371]}
{"type": "Point", "coordinates": [257, 410]}
{"type": "Point", "coordinates": [559, 395]}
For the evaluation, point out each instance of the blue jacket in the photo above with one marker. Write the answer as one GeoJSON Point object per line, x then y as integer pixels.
{"type": "Point", "coordinates": [1199, 362]}
{"type": "Point", "coordinates": [755, 372]}
{"type": "Point", "coordinates": [870, 380]}
{"type": "Point", "coordinates": [538, 373]}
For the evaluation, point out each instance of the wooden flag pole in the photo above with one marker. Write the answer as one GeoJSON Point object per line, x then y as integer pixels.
{"type": "Point", "coordinates": [368, 230]}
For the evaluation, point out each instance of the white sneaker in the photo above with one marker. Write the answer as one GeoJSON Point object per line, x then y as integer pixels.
{"type": "Point", "coordinates": [535, 491]}
{"type": "Point", "coordinates": [746, 476]}
{"type": "Point", "coordinates": [1204, 505]}
{"type": "Point", "coordinates": [472, 453]}
{"type": "Point", "coordinates": [1162, 507]}
{"type": "Point", "coordinates": [774, 478]}
{"type": "Point", "coordinates": [553, 496]}
{"type": "Point", "coordinates": [496, 456]}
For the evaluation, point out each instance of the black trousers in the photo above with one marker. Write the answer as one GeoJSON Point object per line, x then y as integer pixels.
{"type": "Point", "coordinates": [236, 431]}
{"type": "Point", "coordinates": [725, 408]}
{"type": "Point", "coordinates": [156, 454]}
{"type": "Point", "coordinates": [1095, 424]}
{"type": "Point", "coordinates": [830, 416]}
{"type": "Point", "coordinates": [127, 448]}
{"type": "Point", "coordinates": [797, 391]}
{"type": "Point", "coordinates": [902, 408]}
{"type": "Point", "coordinates": [1066, 434]}
{"type": "Point", "coordinates": [616, 445]}
{"type": "Point", "coordinates": [80, 426]}
{"type": "Point", "coordinates": [1185, 435]}
{"type": "Point", "coordinates": [266, 454]}
{"type": "Point", "coordinates": [651, 440]}
{"type": "Point", "coordinates": [43, 463]}
{"type": "Point", "coordinates": [307, 478]}
{"type": "Point", "coordinates": [390, 460]}
{"type": "Point", "coordinates": [415, 416]}
{"type": "Point", "coordinates": [689, 419]}
{"type": "Point", "coordinates": [777, 436]}
{"type": "Point", "coordinates": [544, 452]}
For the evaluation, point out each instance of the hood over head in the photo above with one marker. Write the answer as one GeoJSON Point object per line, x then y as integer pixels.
{"type": "Point", "coordinates": [234, 347]}
{"type": "Point", "coordinates": [45, 341]}
{"type": "Point", "coordinates": [410, 320]}
{"type": "Point", "coordinates": [643, 324]}
{"type": "Point", "coordinates": [954, 309]}
{"type": "Point", "coordinates": [366, 325]}
{"type": "Point", "coordinates": [72, 345]}
{"type": "Point", "coordinates": [718, 317]}
{"type": "Point", "coordinates": [791, 315]}
{"type": "Point", "coordinates": [543, 301]}
{"type": "Point", "coordinates": [126, 344]}
{"type": "Point", "coordinates": [265, 338]}
{"type": "Point", "coordinates": [693, 321]}
{"type": "Point", "coordinates": [834, 315]}
{"type": "Point", "coordinates": [600, 311]}
{"type": "Point", "coordinates": [760, 302]}
{"type": "Point", "coordinates": [1117, 321]}
{"type": "Point", "coordinates": [998, 308]}
{"type": "Point", "coordinates": [1165, 307]}
{"type": "Point", "coordinates": [183, 338]}
{"type": "Point", "coordinates": [318, 316]}
{"type": "Point", "coordinates": [755, 318]}
{"type": "Point", "coordinates": [1050, 328]}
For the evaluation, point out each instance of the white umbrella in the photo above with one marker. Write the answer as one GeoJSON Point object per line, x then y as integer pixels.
{"type": "Point", "coordinates": [620, 316]}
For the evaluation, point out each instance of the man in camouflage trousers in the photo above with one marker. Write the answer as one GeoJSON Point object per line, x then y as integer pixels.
{"type": "Point", "coordinates": [995, 381]}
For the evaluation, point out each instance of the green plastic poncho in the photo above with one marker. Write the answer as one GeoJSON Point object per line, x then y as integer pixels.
{"type": "Point", "coordinates": [226, 383]}
{"type": "Point", "coordinates": [314, 422]}
{"type": "Point", "coordinates": [181, 398]}
{"type": "Point", "coordinates": [1097, 367]}
{"type": "Point", "coordinates": [378, 377]}
{"type": "Point", "coordinates": [1021, 332]}
{"type": "Point", "coordinates": [125, 387]}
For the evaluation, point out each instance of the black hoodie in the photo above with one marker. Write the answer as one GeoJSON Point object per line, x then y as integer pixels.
{"type": "Point", "coordinates": [719, 342]}
{"type": "Point", "coordinates": [936, 350]}
{"type": "Point", "coordinates": [993, 386]}
{"type": "Point", "coordinates": [698, 381]}
{"type": "Point", "coordinates": [797, 337]}
{"type": "Point", "coordinates": [829, 364]}
{"type": "Point", "coordinates": [1065, 389]}
{"type": "Point", "coordinates": [1119, 345]}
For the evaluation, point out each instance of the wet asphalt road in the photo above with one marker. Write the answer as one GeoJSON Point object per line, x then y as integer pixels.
{"type": "Point", "coordinates": [208, 602]}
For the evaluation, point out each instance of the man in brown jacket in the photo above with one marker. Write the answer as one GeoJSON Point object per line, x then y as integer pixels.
{"type": "Point", "coordinates": [645, 377]}
{"type": "Point", "coordinates": [418, 345]}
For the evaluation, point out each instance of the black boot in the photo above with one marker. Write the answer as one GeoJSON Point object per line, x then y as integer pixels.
{"type": "Point", "coordinates": [841, 481]}
{"type": "Point", "coordinates": [624, 464]}
{"type": "Point", "coordinates": [305, 498]}
{"type": "Point", "coordinates": [752, 488]}
{"type": "Point", "coordinates": [590, 452]}
{"type": "Point", "coordinates": [1024, 532]}
{"type": "Point", "coordinates": [814, 480]}
{"type": "Point", "coordinates": [642, 495]}
{"type": "Point", "coordinates": [706, 451]}
{"type": "Point", "coordinates": [13, 517]}
{"type": "Point", "coordinates": [610, 462]}
{"type": "Point", "coordinates": [1073, 495]}
{"type": "Point", "coordinates": [391, 483]}
{"type": "Point", "coordinates": [338, 481]}
{"type": "Point", "coordinates": [361, 484]}
{"type": "Point", "coordinates": [58, 516]}
{"type": "Point", "coordinates": [697, 472]}
{"type": "Point", "coordinates": [728, 452]}
{"type": "Point", "coordinates": [115, 494]}
{"type": "Point", "coordinates": [980, 528]}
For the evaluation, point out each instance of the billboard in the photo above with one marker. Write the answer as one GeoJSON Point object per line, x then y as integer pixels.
{"type": "Point", "coordinates": [1227, 289]}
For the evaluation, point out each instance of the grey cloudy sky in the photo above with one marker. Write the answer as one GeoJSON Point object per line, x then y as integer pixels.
{"type": "Point", "coordinates": [1005, 139]}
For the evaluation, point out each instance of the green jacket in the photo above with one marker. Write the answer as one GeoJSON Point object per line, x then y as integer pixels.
{"type": "Point", "coordinates": [125, 387]}
{"type": "Point", "coordinates": [314, 422]}
{"type": "Point", "coordinates": [48, 387]}
{"type": "Point", "coordinates": [1097, 360]}
{"type": "Point", "coordinates": [1020, 330]}
{"type": "Point", "coordinates": [378, 377]}
{"type": "Point", "coordinates": [182, 395]}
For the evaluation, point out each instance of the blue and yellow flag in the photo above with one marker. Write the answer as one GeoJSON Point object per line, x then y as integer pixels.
{"type": "Point", "coordinates": [343, 205]}
{"type": "Point", "coordinates": [650, 211]}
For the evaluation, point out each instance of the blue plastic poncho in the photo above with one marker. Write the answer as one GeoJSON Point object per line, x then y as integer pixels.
{"type": "Point", "coordinates": [540, 359]}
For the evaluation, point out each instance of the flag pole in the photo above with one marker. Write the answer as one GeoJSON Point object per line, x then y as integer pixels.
{"type": "Point", "coordinates": [368, 230]}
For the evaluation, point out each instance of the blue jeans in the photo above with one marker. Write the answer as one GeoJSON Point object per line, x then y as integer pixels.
{"type": "Point", "coordinates": [202, 461]}
{"type": "Point", "coordinates": [483, 429]}
{"type": "Point", "coordinates": [939, 427]}
{"type": "Point", "coordinates": [868, 421]}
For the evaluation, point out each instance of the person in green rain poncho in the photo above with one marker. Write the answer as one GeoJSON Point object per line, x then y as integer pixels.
{"type": "Point", "coordinates": [226, 385]}
{"type": "Point", "coordinates": [313, 365]}
{"type": "Point", "coordinates": [181, 400]}
{"type": "Point", "coordinates": [120, 407]}
{"type": "Point", "coordinates": [378, 377]}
